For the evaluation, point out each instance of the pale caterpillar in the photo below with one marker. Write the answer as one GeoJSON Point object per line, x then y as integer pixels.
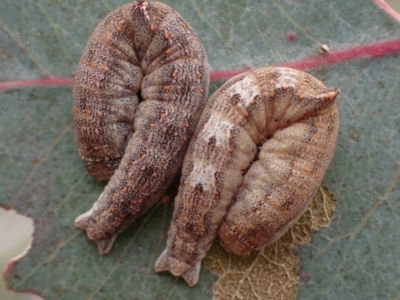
{"type": "Point", "coordinates": [292, 116]}
{"type": "Point", "coordinates": [144, 46]}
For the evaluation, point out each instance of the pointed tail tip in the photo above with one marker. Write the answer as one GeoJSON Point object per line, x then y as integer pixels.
{"type": "Point", "coordinates": [191, 276]}
{"type": "Point", "coordinates": [104, 240]}
{"type": "Point", "coordinates": [82, 221]}
{"type": "Point", "coordinates": [162, 263]}
{"type": "Point", "coordinates": [104, 246]}
{"type": "Point", "coordinates": [178, 268]}
{"type": "Point", "coordinates": [329, 95]}
{"type": "Point", "coordinates": [334, 93]}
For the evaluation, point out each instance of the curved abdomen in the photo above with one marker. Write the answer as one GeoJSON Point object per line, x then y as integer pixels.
{"type": "Point", "coordinates": [285, 111]}
{"type": "Point", "coordinates": [146, 46]}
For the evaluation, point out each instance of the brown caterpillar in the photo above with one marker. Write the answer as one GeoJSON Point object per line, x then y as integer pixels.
{"type": "Point", "coordinates": [146, 46]}
{"type": "Point", "coordinates": [295, 119]}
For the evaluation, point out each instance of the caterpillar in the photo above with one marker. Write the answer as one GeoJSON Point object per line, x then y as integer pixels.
{"type": "Point", "coordinates": [144, 46]}
{"type": "Point", "coordinates": [277, 126]}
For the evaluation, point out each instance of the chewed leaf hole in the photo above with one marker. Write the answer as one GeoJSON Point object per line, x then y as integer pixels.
{"type": "Point", "coordinates": [15, 239]}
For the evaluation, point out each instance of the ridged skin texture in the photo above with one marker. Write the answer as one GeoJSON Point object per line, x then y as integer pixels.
{"type": "Point", "coordinates": [147, 46]}
{"type": "Point", "coordinates": [293, 118]}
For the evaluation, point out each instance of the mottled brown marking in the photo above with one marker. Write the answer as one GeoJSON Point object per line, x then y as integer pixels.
{"type": "Point", "coordinates": [291, 164]}
{"type": "Point", "coordinates": [125, 54]}
{"type": "Point", "coordinates": [275, 190]}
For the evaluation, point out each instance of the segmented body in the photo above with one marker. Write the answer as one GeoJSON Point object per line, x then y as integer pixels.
{"type": "Point", "coordinates": [146, 46]}
{"type": "Point", "coordinates": [294, 117]}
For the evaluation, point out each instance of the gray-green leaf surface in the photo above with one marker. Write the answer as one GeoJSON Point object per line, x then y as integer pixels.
{"type": "Point", "coordinates": [42, 176]}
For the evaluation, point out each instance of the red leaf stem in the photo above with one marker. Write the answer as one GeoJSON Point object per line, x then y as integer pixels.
{"type": "Point", "coordinates": [366, 51]}
{"type": "Point", "coordinates": [382, 4]}
{"type": "Point", "coordinates": [49, 81]}
{"type": "Point", "coordinates": [334, 57]}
